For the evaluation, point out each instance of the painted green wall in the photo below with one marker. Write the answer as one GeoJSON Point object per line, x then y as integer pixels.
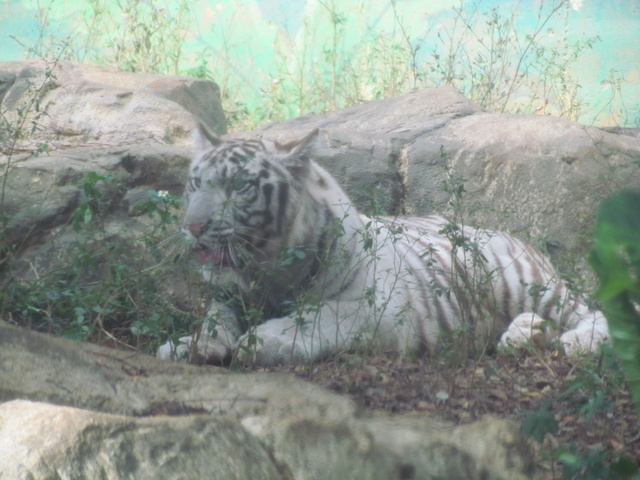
{"type": "Point", "coordinates": [255, 36]}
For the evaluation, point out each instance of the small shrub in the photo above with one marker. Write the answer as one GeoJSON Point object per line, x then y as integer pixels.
{"type": "Point", "coordinates": [97, 289]}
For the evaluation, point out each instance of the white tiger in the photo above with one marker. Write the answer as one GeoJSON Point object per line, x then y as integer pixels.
{"type": "Point", "coordinates": [267, 218]}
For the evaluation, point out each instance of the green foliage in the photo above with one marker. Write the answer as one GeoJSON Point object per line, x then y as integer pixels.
{"type": "Point", "coordinates": [594, 386]}
{"type": "Point", "coordinates": [99, 290]}
{"type": "Point", "coordinates": [616, 261]}
{"type": "Point", "coordinates": [537, 423]}
{"type": "Point", "coordinates": [95, 203]}
{"type": "Point", "coordinates": [596, 403]}
{"type": "Point", "coordinates": [469, 279]}
{"type": "Point", "coordinates": [590, 394]}
{"type": "Point", "coordinates": [596, 464]}
{"type": "Point", "coordinates": [290, 255]}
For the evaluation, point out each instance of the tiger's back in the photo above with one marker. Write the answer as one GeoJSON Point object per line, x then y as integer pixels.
{"type": "Point", "coordinates": [269, 219]}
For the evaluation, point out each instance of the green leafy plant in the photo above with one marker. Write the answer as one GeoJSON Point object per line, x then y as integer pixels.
{"type": "Point", "coordinates": [589, 395]}
{"type": "Point", "coordinates": [537, 423]}
{"type": "Point", "coordinates": [596, 464]}
{"type": "Point", "coordinates": [96, 290]}
{"type": "Point", "coordinates": [616, 261]}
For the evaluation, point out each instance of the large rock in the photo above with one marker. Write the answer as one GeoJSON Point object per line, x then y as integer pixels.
{"type": "Point", "coordinates": [47, 246]}
{"type": "Point", "coordinates": [209, 423]}
{"type": "Point", "coordinates": [540, 178]}
{"type": "Point", "coordinates": [44, 441]}
{"type": "Point", "coordinates": [43, 192]}
{"type": "Point", "coordinates": [91, 105]}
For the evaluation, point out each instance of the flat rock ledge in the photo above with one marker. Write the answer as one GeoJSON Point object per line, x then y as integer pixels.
{"type": "Point", "coordinates": [77, 411]}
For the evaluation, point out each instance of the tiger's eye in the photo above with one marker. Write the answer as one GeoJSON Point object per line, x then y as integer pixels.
{"type": "Point", "coordinates": [241, 181]}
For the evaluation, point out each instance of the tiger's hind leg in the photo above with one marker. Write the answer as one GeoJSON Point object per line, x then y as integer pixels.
{"type": "Point", "coordinates": [587, 331]}
{"type": "Point", "coordinates": [528, 327]}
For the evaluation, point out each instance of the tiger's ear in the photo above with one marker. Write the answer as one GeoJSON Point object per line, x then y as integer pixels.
{"type": "Point", "coordinates": [203, 138]}
{"type": "Point", "coordinates": [296, 154]}
{"type": "Point", "coordinates": [298, 146]}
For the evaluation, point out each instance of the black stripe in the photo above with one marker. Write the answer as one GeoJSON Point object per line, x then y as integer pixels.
{"type": "Point", "coordinates": [267, 191]}
{"type": "Point", "coordinates": [283, 199]}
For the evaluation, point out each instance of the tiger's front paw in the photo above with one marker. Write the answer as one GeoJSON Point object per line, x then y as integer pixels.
{"type": "Point", "coordinates": [175, 351]}
{"type": "Point", "coordinates": [271, 344]}
{"type": "Point", "coordinates": [202, 348]}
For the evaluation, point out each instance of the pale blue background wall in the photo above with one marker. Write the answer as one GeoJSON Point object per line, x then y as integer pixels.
{"type": "Point", "coordinates": [253, 27]}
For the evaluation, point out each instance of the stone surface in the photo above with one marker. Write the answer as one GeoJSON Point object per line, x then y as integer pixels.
{"type": "Point", "coordinates": [54, 442]}
{"type": "Point", "coordinates": [72, 410]}
{"type": "Point", "coordinates": [42, 192]}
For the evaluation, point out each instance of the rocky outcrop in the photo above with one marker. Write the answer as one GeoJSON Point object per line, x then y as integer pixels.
{"type": "Point", "coordinates": [118, 135]}
{"type": "Point", "coordinates": [61, 442]}
{"type": "Point", "coordinates": [538, 177]}
{"type": "Point", "coordinates": [42, 193]}
{"type": "Point", "coordinates": [77, 411]}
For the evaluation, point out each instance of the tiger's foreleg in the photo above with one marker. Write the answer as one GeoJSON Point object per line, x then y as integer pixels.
{"type": "Point", "coordinates": [213, 343]}
{"type": "Point", "coordinates": [584, 331]}
{"type": "Point", "coordinates": [310, 334]}
{"type": "Point", "coordinates": [587, 330]}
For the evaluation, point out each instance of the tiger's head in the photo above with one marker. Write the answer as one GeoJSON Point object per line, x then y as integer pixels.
{"type": "Point", "coordinates": [241, 199]}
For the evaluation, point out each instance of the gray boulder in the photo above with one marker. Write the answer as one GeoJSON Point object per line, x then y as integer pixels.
{"type": "Point", "coordinates": [92, 105]}
{"type": "Point", "coordinates": [42, 192]}
{"type": "Point", "coordinates": [55, 442]}
{"type": "Point", "coordinates": [112, 139]}
{"type": "Point", "coordinates": [540, 178]}
{"type": "Point", "coordinates": [74, 411]}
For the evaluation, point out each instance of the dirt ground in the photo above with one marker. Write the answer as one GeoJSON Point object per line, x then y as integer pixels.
{"type": "Point", "coordinates": [579, 410]}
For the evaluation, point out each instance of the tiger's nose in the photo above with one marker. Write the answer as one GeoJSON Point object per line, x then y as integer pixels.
{"type": "Point", "coordinates": [196, 229]}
